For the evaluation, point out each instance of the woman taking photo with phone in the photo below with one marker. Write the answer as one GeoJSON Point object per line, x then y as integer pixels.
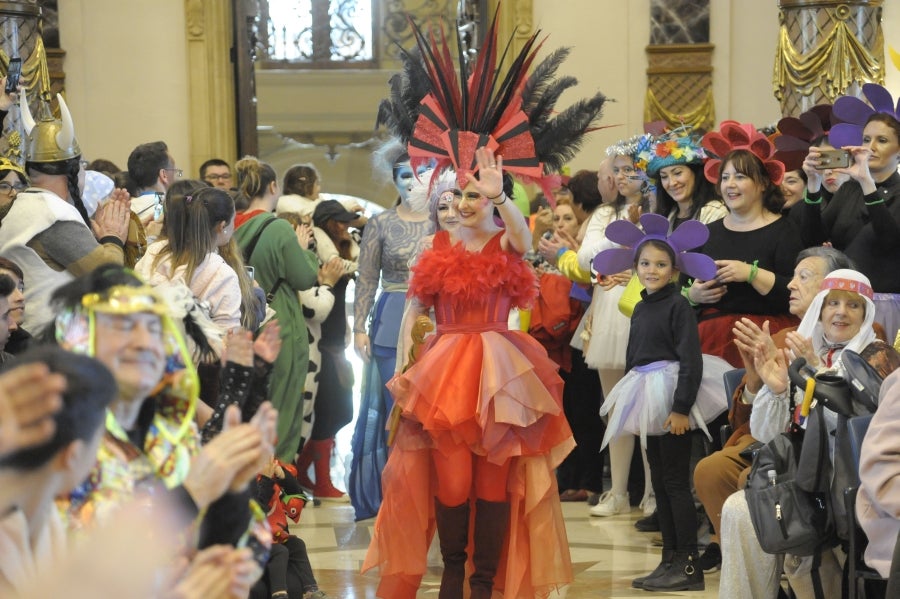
{"type": "Point", "coordinates": [863, 219]}
{"type": "Point", "coordinates": [798, 135]}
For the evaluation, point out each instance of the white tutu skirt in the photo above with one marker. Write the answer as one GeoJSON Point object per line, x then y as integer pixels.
{"type": "Point", "coordinates": [609, 331]}
{"type": "Point", "coordinates": [640, 403]}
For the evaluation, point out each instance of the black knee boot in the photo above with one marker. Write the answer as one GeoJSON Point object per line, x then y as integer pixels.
{"type": "Point", "coordinates": [683, 575]}
{"type": "Point", "coordinates": [453, 532]}
{"type": "Point", "coordinates": [491, 523]}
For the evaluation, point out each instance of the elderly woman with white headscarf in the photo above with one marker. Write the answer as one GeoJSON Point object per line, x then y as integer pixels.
{"type": "Point", "coordinates": [840, 317]}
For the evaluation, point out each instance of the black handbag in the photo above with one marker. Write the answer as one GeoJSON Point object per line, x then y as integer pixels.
{"type": "Point", "coordinates": [787, 518]}
{"type": "Point", "coordinates": [788, 488]}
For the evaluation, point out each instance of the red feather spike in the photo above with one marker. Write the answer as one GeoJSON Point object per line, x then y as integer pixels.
{"type": "Point", "coordinates": [448, 67]}
{"type": "Point", "coordinates": [440, 87]}
{"type": "Point", "coordinates": [483, 77]}
{"type": "Point", "coordinates": [516, 74]}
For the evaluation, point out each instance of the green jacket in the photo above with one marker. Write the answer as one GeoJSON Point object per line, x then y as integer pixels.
{"type": "Point", "coordinates": [277, 255]}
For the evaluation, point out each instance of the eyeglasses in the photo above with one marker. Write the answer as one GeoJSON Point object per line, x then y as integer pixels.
{"type": "Point", "coordinates": [178, 172]}
{"type": "Point", "coordinates": [217, 177]}
{"type": "Point", "coordinates": [8, 188]}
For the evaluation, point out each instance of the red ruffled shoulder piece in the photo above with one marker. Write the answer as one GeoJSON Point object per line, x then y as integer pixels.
{"type": "Point", "coordinates": [467, 278]}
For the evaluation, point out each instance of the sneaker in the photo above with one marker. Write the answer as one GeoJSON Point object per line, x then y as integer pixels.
{"type": "Point", "coordinates": [711, 558]}
{"type": "Point", "coordinates": [648, 504]}
{"type": "Point", "coordinates": [610, 505]}
{"type": "Point", "coordinates": [648, 524]}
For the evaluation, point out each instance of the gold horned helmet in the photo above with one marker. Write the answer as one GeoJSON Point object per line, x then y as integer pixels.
{"type": "Point", "coordinates": [48, 139]}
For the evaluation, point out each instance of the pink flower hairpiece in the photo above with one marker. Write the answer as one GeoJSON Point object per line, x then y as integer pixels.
{"type": "Point", "coordinates": [733, 135]}
{"type": "Point", "coordinates": [689, 235]}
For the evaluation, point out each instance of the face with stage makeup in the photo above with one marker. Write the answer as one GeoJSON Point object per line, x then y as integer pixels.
{"type": "Point", "coordinates": [447, 217]}
{"type": "Point", "coordinates": [404, 178]}
{"type": "Point", "coordinates": [472, 208]}
{"type": "Point", "coordinates": [628, 179]}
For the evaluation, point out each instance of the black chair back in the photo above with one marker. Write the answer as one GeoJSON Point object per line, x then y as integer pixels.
{"type": "Point", "coordinates": [857, 570]}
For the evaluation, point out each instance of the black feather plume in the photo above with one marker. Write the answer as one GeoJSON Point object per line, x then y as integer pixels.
{"type": "Point", "coordinates": [543, 107]}
{"type": "Point", "coordinates": [542, 76]}
{"type": "Point", "coordinates": [561, 138]}
{"type": "Point", "coordinates": [408, 88]}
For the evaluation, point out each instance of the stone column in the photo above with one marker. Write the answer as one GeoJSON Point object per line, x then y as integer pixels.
{"type": "Point", "coordinates": [826, 49]}
{"type": "Point", "coordinates": [211, 83]}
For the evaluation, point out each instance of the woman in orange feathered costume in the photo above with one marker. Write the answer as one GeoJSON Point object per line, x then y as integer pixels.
{"type": "Point", "coordinates": [482, 427]}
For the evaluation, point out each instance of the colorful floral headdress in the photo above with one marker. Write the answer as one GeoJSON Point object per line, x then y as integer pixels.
{"type": "Point", "coordinates": [636, 148]}
{"type": "Point", "coordinates": [733, 135]}
{"type": "Point", "coordinates": [626, 147]}
{"type": "Point", "coordinates": [856, 112]}
{"type": "Point", "coordinates": [445, 116]}
{"type": "Point", "coordinates": [689, 235]}
{"type": "Point", "coordinates": [799, 133]}
{"type": "Point", "coordinates": [678, 146]}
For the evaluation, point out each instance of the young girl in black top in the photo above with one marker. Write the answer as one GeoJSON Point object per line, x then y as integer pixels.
{"type": "Point", "coordinates": [670, 387]}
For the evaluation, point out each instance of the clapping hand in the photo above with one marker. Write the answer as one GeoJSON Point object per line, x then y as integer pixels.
{"type": "Point", "coordinates": [331, 272]}
{"type": "Point", "coordinates": [747, 337]}
{"type": "Point", "coordinates": [772, 369]}
{"type": "Point", "coordinates": [113, 216]}
{"type": "Point", "coordinates": [29, 397]}
{"type": "Point", "coordinates": [802, 347]}
{"type": "Point", "coordinates": [268, 343]}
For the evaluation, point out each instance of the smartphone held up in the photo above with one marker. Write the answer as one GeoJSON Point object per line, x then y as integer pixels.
{"type": "Point", "coordinates": [13, 73]}
{"type": "Point", "coordinates": [833, 159]}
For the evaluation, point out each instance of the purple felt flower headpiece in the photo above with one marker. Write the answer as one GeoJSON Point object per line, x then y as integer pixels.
{"type": "Point", "coordinates": [799, 133]}
{"type": "Point", "coordinates": [855, 113]}
{"type": "Point", "coordinates": [689, 235]}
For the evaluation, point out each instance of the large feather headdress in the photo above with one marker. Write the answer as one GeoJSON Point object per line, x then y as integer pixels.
{"type": "Point", "coordinates": [445, 116]}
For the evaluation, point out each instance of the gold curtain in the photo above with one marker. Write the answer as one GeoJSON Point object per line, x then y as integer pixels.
{"type": "Point", "coordinates": [679, 85]}
{"type": "Point", "coordinates": [826, 49]}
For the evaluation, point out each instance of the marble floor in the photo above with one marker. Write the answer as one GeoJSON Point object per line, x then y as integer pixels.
{"type": "Point", "coordinates": [606, 553]}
